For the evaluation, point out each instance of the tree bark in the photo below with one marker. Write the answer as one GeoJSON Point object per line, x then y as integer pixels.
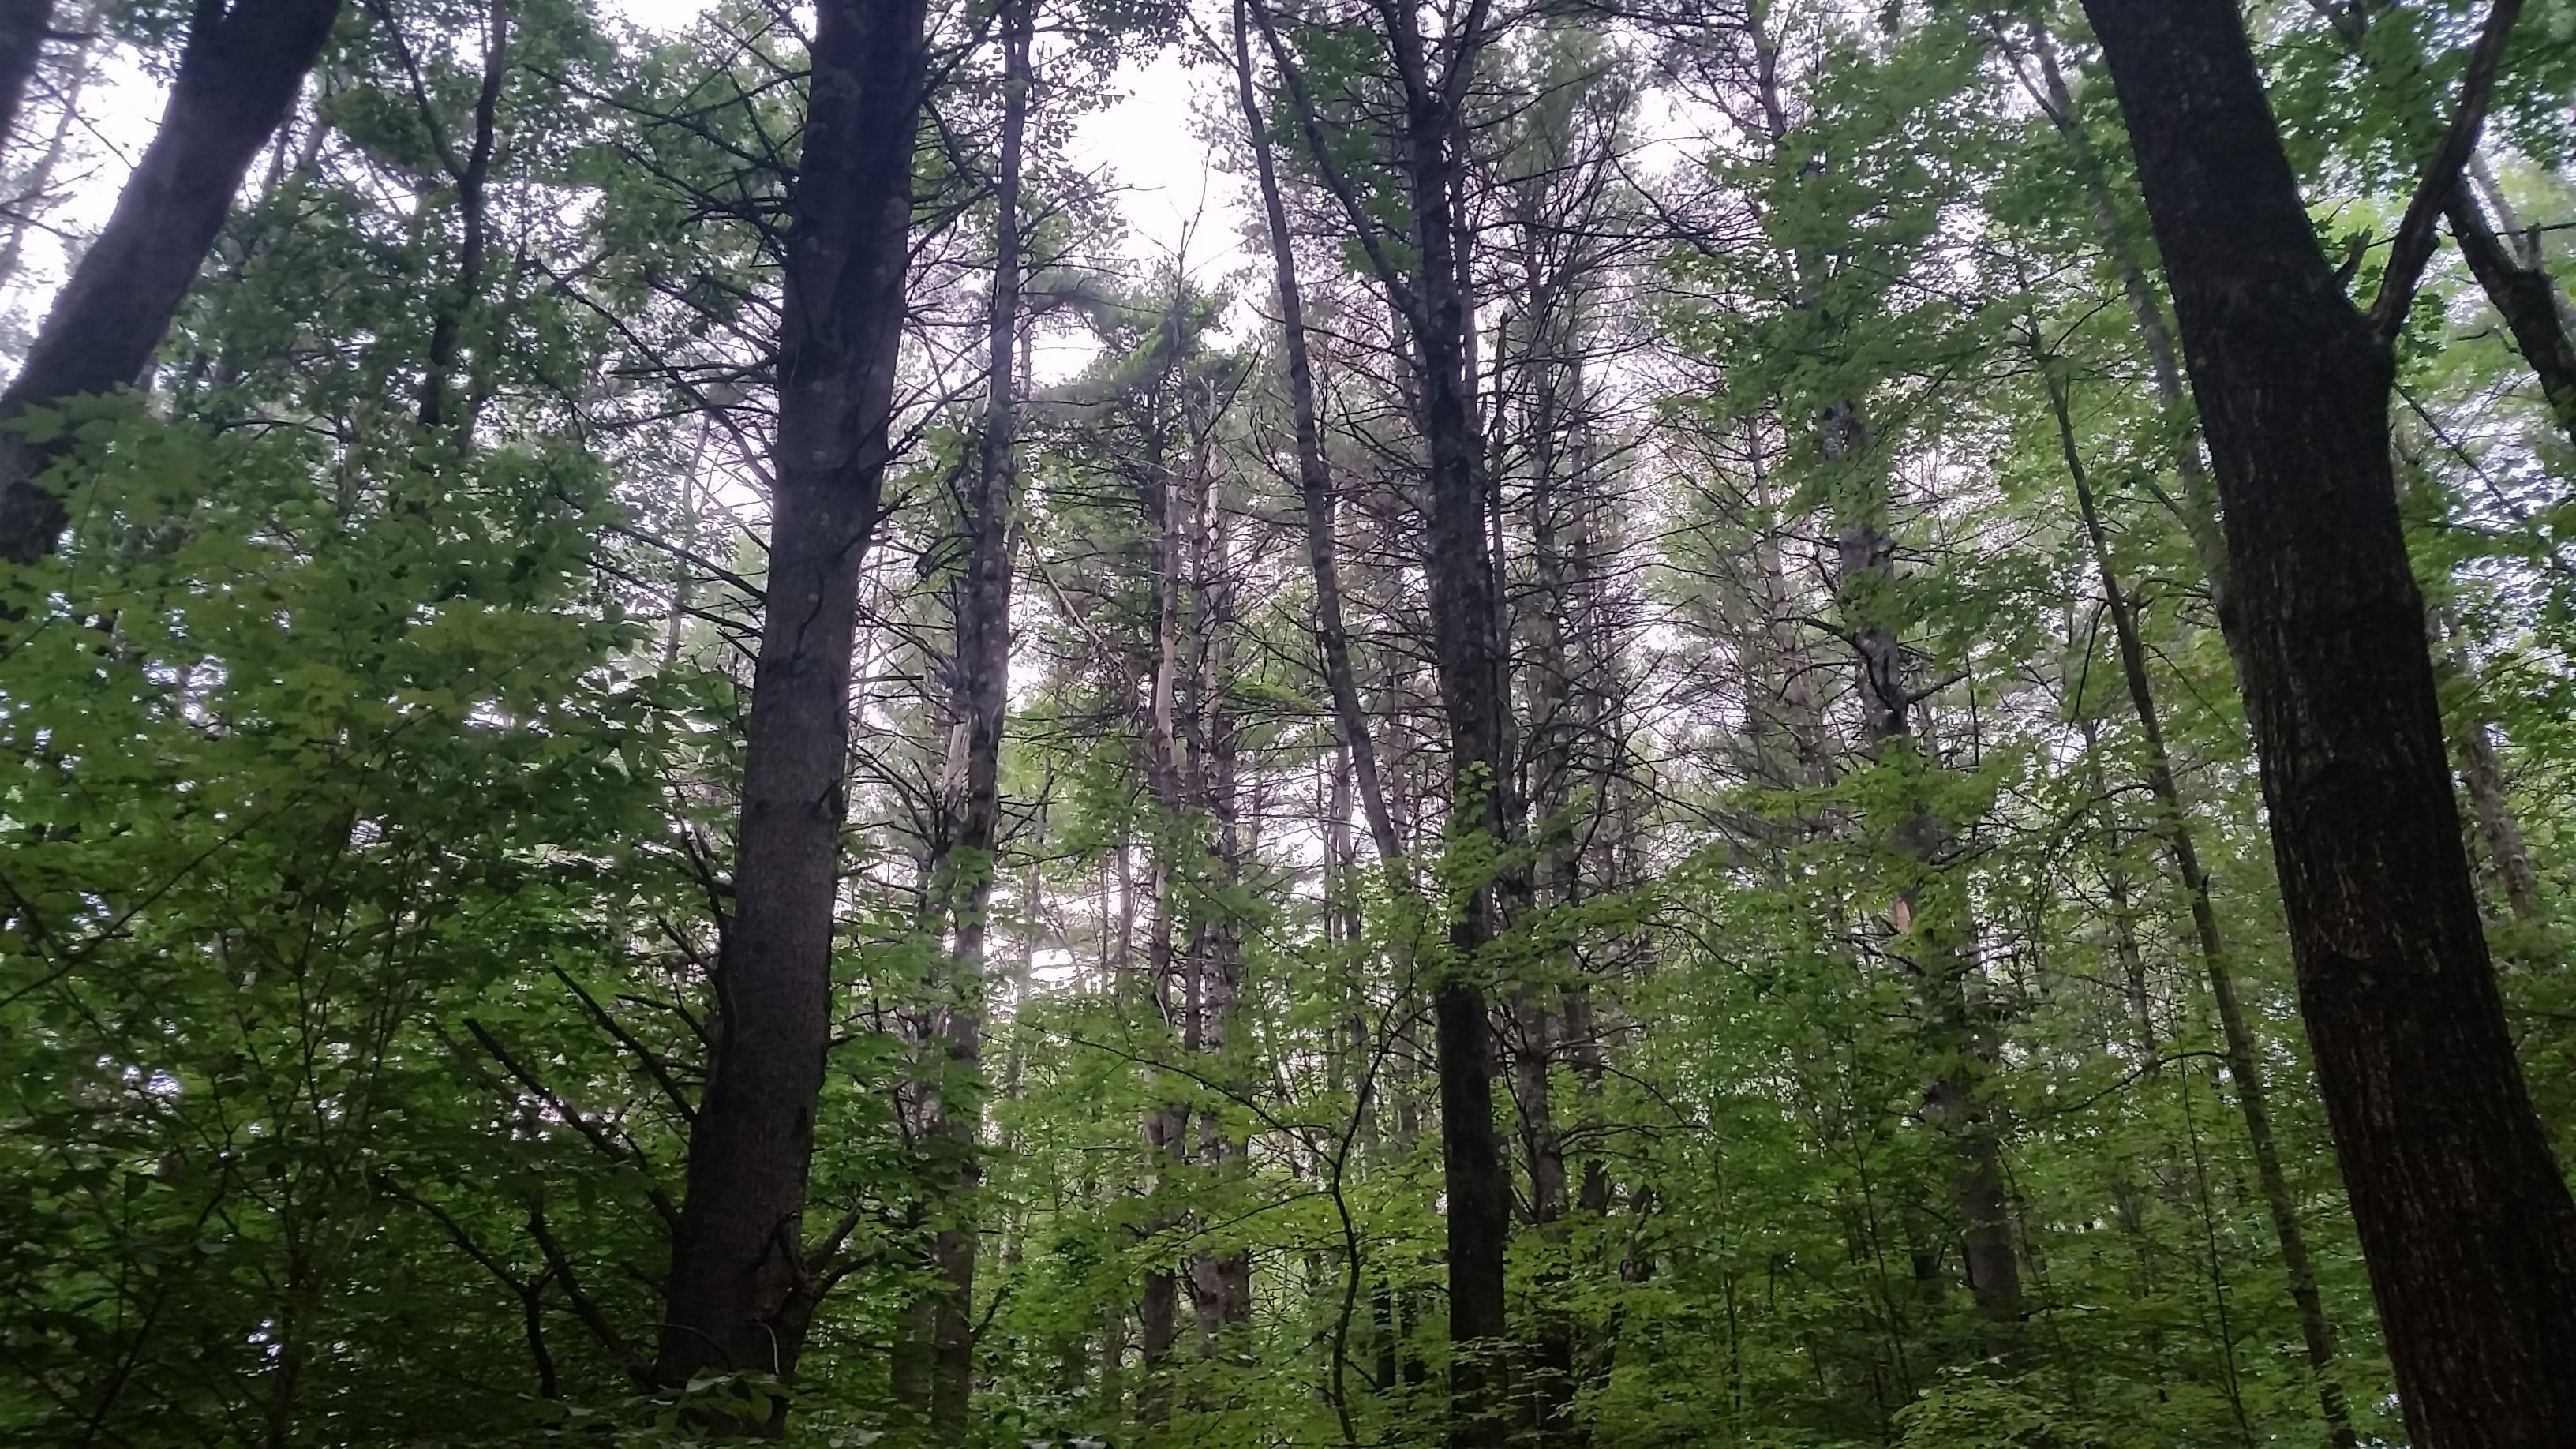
{"type": "Point", "coordinates": [1475, 695]}
{"type": "Point", "coordinates": [238, 75]}
{"type": "Point", "coordinates": [740, 1296]}
{"type": "Point", "coordinates": [2528, 299]}
{"type": "Point", "coordinates": [76, 70]}
{"type": "Point", "coordinates": [2520, 288]}
{"type": "Point", "coordinates": [1471, 665]}
{"type": "Point", "coordinates": [2465, 1222]}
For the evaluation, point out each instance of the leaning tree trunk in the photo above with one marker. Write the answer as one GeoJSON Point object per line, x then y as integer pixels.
{"type": "Point", "coordinates": [238, 74]}
{"type": "Point", "coordinates": [2465, 1222]}
{"type": "Point", "coordinates": [2520, 288]}
{"type": "Point", "coordinates": [1314, 475]}
{"type": "Point", "coordinates": [740, 1296]}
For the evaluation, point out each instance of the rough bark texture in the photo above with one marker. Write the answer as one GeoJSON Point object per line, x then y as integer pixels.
{"type": "Point", "coordinates": [739, 1294]}
{"type": "Point", "coordinates": [239, 73]}
{"type": "Point", "coordinates": [2466, 1224]}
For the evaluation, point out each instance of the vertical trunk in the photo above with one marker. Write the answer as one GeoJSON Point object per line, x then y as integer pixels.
{"type": "Point", "coordinates": [1221, 1278]}
{"type": "Point", "coordinates": [2244, 1059]}
{"type": "Point", "coordinates": [240, 71]}
{"type": "Point", "coordinates": [2464, 1220]}
{"type": "Point", "coordinates": [739, 1295]}
{"type": "Point", "coordinates": [1166, 1125]}
{"type": "Point", "coordinates": [1556, 742]}
{"type": "Point", "coordinates": [2483, 773]}
{"type": "Point", "coordinates": [981, 688]}
{"type": "Point", "coordinates": [1473, 695]}
{"type": "Point", "coordinates": [1431, 301]}
{"type": "Point", "coordinates": [472, 175]}
{"type": "Point", "coordinates": [23, 26]}
{"type": "Point", "coordinates": [1955, 1099]}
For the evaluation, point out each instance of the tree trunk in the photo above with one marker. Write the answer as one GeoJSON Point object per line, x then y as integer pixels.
{"type": "Point", "coordinates": [981, 682]}
{"type": "Point", "coordinates": [2483, 773]}
{"type": "Point", "coordinates": [2199, 502]}
{"type": "Point", "coordinates": [2244, 1058]}
{"type": "Point", "coordinates": [1471, 663]}
{"type": "Point", "coordinates": [1474, 695]}
{"type": "Point", "coordinates": [739, 1294]}
{"type": "Point", "coordinates": [2467, 1226]}
{"type": "Point", "coordinates": [238, 75]}
{"type": "Point", "coordinates": [472, 175]}
{"type": "Point", "coordinates": [2519, 287]}
{"type": "Point", "coordinates": [76, 71]}
{"type": "Point", "coordinates": [1314, 476]}
{"type": "Point", "coordinates": [23, 27]}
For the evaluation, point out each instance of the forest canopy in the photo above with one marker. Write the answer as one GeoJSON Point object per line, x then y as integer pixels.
{"type": "Point", "coordinates": [1754, 723]}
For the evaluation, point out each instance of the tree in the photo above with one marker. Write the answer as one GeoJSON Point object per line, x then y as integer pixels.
{"type": "Point", "coordinates": [238, 74]}
{"type": "Point", "coordinates": [2431, 1117]}
{"type": "Point", "coordinates": [741, 1290]}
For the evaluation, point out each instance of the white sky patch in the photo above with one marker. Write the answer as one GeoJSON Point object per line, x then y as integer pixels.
{"type": "Point", "coordinates": [1165, 182]}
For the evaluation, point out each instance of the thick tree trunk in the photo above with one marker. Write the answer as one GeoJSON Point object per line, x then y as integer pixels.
{"type": "Point", "coordinates": [1474, 694]}
{"type": "Point", "coordinates": [238, 75]}
{"type": "Point", "coordinates": [2244, 1057]}
{"type": "Point", "coordinates": [739, 1294]}
{"type": "Point", "coordinates": [2466, 1224]}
